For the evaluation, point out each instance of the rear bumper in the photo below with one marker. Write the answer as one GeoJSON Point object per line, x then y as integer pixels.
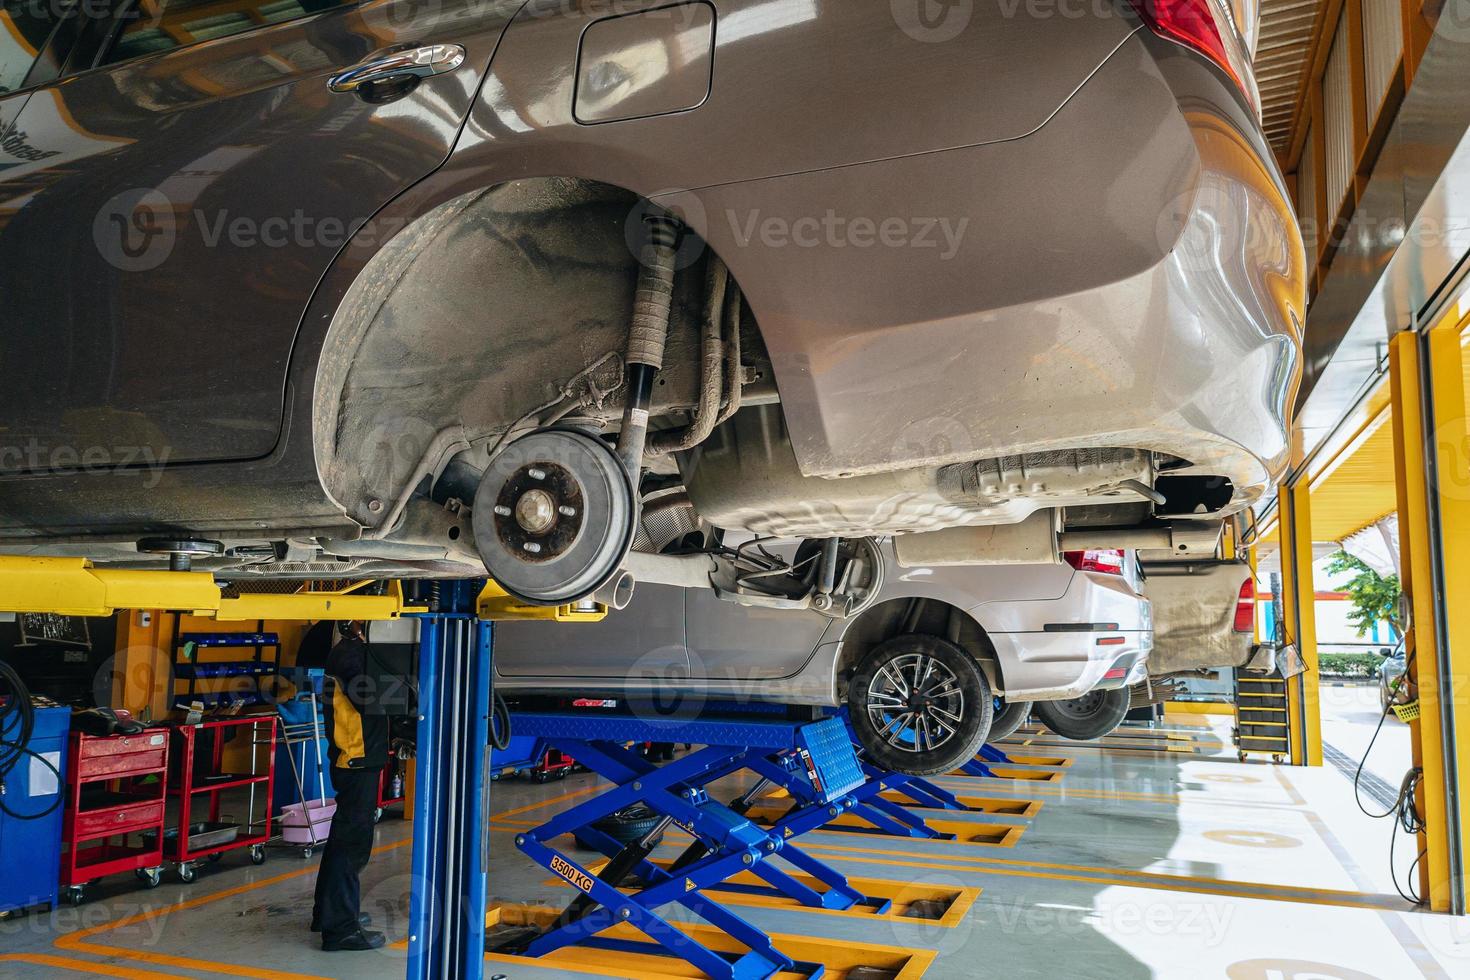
{"type": "Point", "coordinates": [1143, 294]}
{"type": "Point", "coordinates": [1058, 666]}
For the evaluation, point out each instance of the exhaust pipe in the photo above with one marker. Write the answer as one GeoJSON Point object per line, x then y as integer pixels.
{"type": "Point", "coordinates": [616, 592]}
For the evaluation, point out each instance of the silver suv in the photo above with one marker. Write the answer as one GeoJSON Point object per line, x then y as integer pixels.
{"type": "Point", "coordinates": [931, 662]}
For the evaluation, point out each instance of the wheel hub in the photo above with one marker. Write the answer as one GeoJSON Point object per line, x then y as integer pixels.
{"type": "Point", "coordinates": [538, 512]}
{"type": "Point", "coordinates": [554, 515]}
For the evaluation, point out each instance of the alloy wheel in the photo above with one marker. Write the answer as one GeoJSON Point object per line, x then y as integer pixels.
{"type": "Point", "coordinates": [915, 703]}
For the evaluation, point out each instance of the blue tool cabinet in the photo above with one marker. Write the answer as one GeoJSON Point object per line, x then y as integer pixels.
{"type": "Point", "coordinates": [30, 850]}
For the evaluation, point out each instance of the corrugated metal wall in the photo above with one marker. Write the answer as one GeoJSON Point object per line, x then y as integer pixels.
{"type": "Point", "coordinates": [1306, 199]}
{"type": "Point", "coordinates": [1383, 43]}
{"type": "Point", "coordinates": [1337, 112]}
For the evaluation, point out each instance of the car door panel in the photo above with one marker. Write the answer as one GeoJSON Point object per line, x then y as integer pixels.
{"type": "Point", "coordinates": [205, 190]}
{"type": "Point", "coordinates": [642, 644]}
{"type": "Point", "coordinates": [730, 642]}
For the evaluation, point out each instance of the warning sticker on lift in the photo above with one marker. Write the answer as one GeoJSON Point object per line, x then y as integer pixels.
{"type": "Point", "coordinates": [568, 871]}
{"type": "Point", "coordinates": [811, 770]}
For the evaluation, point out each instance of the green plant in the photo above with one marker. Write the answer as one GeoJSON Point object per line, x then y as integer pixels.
{"type": "Point", "coordinates": [1348, 664]}
{"type": "Point", "coordinates": [1375, 597]}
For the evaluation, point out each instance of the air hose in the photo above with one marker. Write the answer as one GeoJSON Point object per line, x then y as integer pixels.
{"type": "Point", "coordinates": [499, 723]}
{"type": "Point", "coordinates": [18, 711]}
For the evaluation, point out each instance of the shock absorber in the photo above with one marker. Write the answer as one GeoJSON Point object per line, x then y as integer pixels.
{"type": "Point", "coordinates": [647, 336]}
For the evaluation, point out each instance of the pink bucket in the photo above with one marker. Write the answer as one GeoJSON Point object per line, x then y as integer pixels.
{"type": "Point", "coordinates": [307, 823]}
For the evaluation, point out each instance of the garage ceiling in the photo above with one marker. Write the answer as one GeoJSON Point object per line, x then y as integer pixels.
{"type": "Point", "coordinates": [1283, 56]}
{"type": "Point", "coordinates": [1360, 490]}
{"type": "Point", "coordinates": [1355, 488]}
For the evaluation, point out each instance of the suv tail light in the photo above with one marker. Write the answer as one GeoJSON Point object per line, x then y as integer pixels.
{"type": "Point", "coordinates": [1196, 24]}
{"type": "Point", "coordinates": [1107, 562]}
{"type": "Point", "coordinates": [1245, 608]}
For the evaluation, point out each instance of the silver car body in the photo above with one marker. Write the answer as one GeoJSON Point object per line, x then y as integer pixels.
{"type": "Point", "coordinates": [1042, 622]}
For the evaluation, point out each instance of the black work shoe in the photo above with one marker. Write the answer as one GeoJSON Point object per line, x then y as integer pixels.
{"type": "Point", "coordinates": [359, 940]}
{"type": "Point", "coordinates": [363, 920]}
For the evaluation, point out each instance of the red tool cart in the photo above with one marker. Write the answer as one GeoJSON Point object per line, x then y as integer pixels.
{"type": "Point", "coordinates": [555, 764]}
{"type": "Point", "coordinates": [198, 779]}
{"type": "Point", "coordinates": [115, 801]}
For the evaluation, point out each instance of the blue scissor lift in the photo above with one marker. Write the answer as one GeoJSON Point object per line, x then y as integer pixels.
{"type": "Point", "coordinates": [812, 759]}
{"type": "Point", "coordinates": [977, 766]}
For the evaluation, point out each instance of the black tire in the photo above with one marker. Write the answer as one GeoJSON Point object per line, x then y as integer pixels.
{"type": "Point", "coordinates": [966, 698]}
{"type": "Point", "coordinates": [630, 824]}
{"type": "Point", "coordinates": [1083, 719]}
{"type": "Point", "coordinates": [1008, 719]}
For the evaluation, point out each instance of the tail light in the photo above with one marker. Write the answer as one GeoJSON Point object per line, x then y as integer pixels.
{"type": "Point", "coordinates": [1245, 608]}
{"type": "Point", "coordinates": [1107, 562]}
{"type": "Point", "coordinates": [1197, 24]}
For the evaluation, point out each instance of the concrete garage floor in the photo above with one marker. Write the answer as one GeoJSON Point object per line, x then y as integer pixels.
{"type": "Point", "coordinates": [1152, 854]}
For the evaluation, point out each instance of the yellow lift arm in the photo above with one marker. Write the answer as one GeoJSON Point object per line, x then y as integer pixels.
{"type": "Point", "coordinates": [75, 587]}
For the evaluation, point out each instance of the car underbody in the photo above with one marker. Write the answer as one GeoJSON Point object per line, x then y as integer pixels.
{"type": "Point", "coordinates": [408, 418]}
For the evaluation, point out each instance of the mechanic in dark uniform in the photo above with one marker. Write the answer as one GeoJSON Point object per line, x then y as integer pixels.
{"type": "Point", "coordinates": [359, 751]}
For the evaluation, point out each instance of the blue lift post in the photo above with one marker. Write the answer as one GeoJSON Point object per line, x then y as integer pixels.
{"type": "Point", "coordinates": [451, 801]}
{"type": "Point", "coordinates": [815, 756]}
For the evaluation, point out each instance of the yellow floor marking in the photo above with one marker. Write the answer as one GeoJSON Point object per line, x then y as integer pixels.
{"type": "Point", "coordinates": [1063, 792]}
{"type": "Point", "coordinates": [569, 795]}
{"type": "Point", "coordinates": [76, 941]}
{"type": "Point", "coordinates": [1143, 742]}
{"type": "Point", "coordinates": [964, 831]}
{"type": "Point", "coordinates": [1115, 749]}
{"type": "Point", "coordinates": [1003, 771]}
{"type": "Point", "coordinates": [103, 969]}
{"type": "Point", "coordinates": [1053, 761]}
{"type": "Point", "coordinates": [957, 900]}
{"type": "Point", "coordinates": [1157, 733]}
{"type": "Point", "coordinates": [1158, 881]}
{"type": "Point", "coordinates": [980, 804]}
{"type": "Point", "coordinates": [1066, 792]}
{"type": "Point", "coordinates": [839, 956]}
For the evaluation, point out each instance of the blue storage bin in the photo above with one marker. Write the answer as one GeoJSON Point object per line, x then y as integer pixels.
{"type": "Point", "coordinates": [296, 717]}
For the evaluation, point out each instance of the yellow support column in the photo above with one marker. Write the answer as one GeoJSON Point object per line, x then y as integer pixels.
{"type": "Point", "coordinates": [1430, 434]}
{"type": "Point", "coordinates": [1299, 611]}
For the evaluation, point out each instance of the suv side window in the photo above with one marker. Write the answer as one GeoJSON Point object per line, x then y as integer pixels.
{"type": "Point", "coordinates": [150, 26]}
{"type": "Point", "coordinates": [25, 27]}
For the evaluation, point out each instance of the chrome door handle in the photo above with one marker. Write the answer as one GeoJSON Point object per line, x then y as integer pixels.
{"type": "Point", "coordinates": [421, 62]}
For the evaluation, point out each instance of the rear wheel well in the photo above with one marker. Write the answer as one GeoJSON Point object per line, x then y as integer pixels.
{"type": "Point", "coordinates": [915, 614]}
{"type": "Point", "coordinates": [482, 309]}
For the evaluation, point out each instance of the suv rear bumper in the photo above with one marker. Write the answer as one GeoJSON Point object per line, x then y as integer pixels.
{"type": "Point", "coordinates": [1058, 666]}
